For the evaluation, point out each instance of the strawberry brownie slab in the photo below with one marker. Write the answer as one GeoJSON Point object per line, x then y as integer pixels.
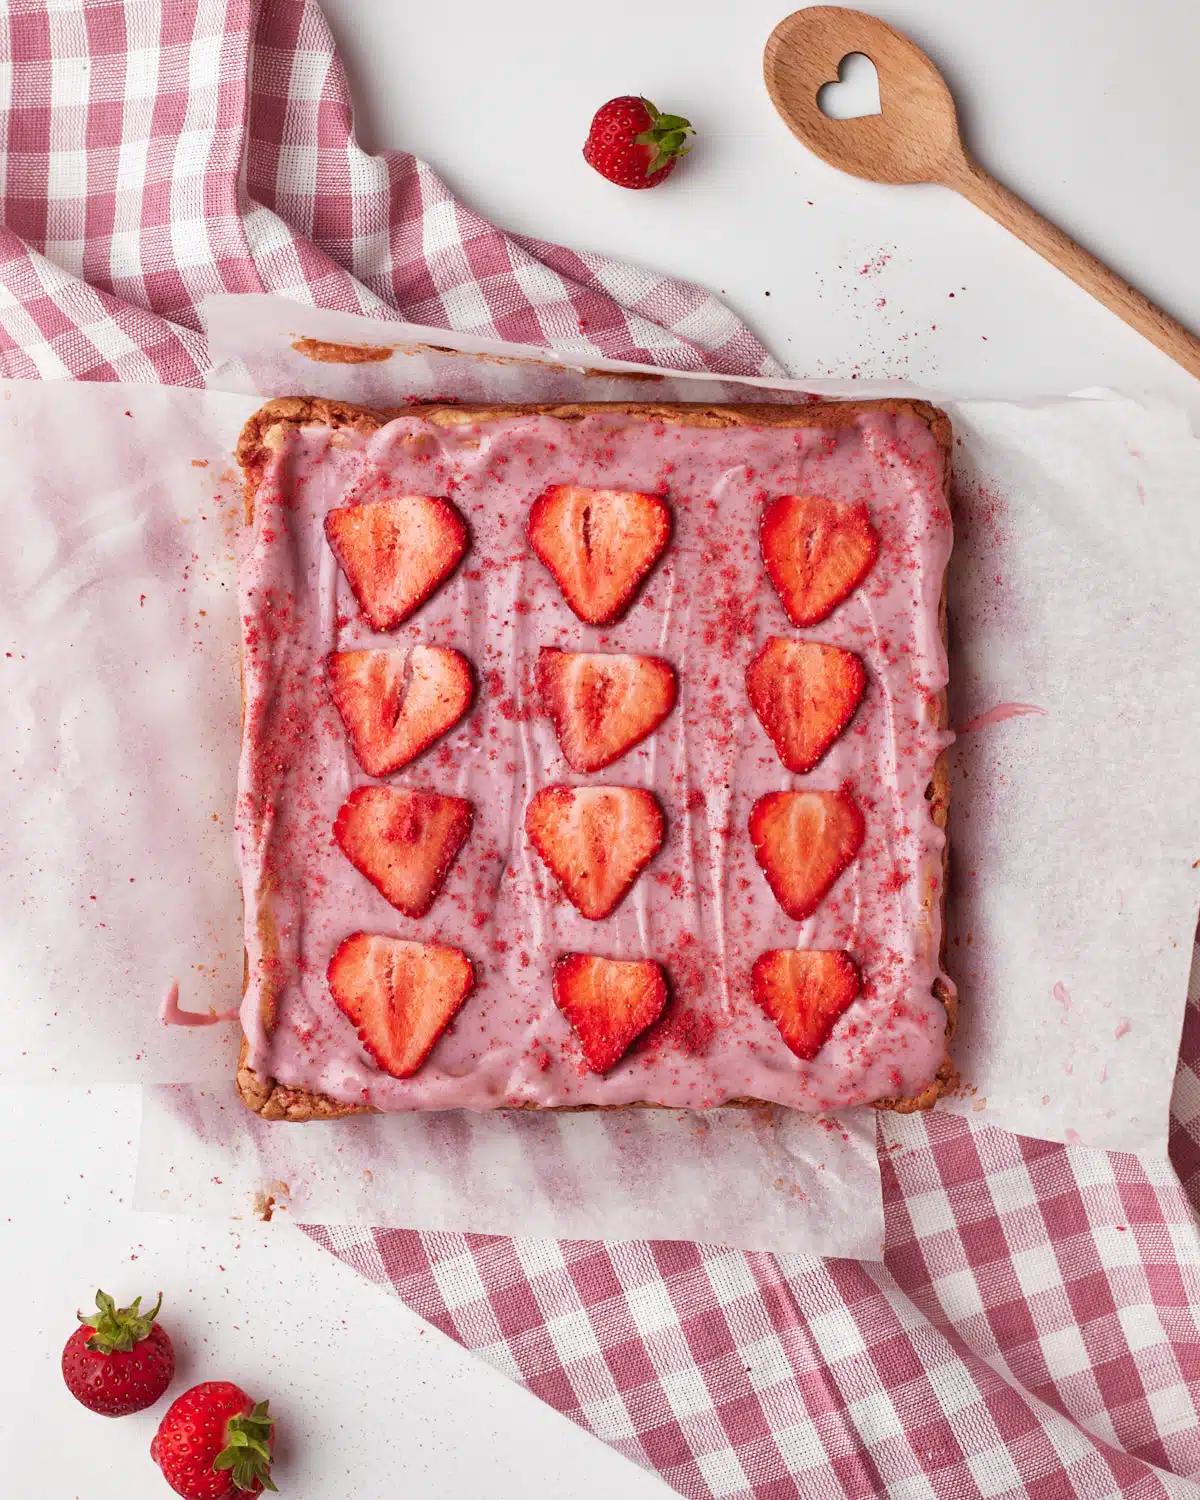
{"type": "Point", "coordinates": [529, 817]}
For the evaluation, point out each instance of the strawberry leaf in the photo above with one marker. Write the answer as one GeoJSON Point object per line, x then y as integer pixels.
{"type": "Point", "coordinates": [118, 1329]}
{"type": "Point", "coordinates": [247, 1450]}
{"type": "Point", "coordinates": [667, 134]}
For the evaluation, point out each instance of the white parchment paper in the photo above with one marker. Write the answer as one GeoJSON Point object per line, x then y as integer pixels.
{"type": "Point", "coordinates": [1073, 832]}
{"type": "Point", "coordinates": [119, 740]}
{"type": "Point", "coordinates": [1074, 836]}
{"type": "Point", "coordinates": [760, 1179]}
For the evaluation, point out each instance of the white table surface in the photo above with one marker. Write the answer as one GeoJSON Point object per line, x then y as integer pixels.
{"type": "Point", "coordinates": [1092, 111]}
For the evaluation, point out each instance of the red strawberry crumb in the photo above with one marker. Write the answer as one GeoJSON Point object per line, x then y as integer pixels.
{"type": "Point", "coordinates": [692, 1032]}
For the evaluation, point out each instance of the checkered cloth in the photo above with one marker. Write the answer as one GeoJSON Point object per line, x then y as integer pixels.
{"type": "Point", "coordinates": [1030, 1334]}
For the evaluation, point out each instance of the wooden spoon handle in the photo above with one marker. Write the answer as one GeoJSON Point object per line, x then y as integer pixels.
{"type": "Point", "coordinates": [1074, 261]}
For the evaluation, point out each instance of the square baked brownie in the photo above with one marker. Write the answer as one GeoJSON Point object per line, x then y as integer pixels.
{"type": "Point", "coordinates": [593, 756]}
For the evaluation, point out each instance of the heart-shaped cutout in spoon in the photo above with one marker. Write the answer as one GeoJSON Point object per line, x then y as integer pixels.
{"type": "Point", "coordinates": [854, 93]}
{"type": "Point", "coordinates": [915, 138]}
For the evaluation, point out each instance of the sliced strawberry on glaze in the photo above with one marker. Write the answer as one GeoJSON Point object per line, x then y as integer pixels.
{"type": "Point", "coordinates": [602, 705]}
{"type": "Point", "coordinates": [803, 841]}
{"type": "Point", "coordinates": [609, 1002]}
{"type": "Point", "coordinates": [403, 841]}
{"type": "Point", "coordinates": [805, 694]}
{"type": "Point", "coordinates": [804, 992]}
{"type": "Point", "coordinates": [596, 841]}
{"type": "Point", "coordinates": [394, 704]}
{"type": "Point", "coordinates": [396, 552]}
{"type": "Point", "coordinates": [817, 552]}
{"type": "Point", "coordinates": [598, 544]}
{"type": "Point", "coordinates": [401, 996]}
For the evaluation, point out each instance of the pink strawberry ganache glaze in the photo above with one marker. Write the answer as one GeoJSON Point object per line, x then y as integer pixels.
{"type": "Point", "coordinates": [702, 907]}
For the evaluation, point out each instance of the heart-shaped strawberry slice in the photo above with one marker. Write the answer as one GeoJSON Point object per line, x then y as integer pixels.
{"type": "Point", "coordinates": [599, 545]}
{"type": "Point", "coordinates": [596, 840]}
{"type": "Point", "coordinates": [805, 992]}
{"type": "Point", "coordinates": [603, 704]}
{"type": "Point", "coordinates": [401, 996]}
{"type": "Point", "coordinates": [817, 552]}
{"type": "Point", "coordinates": [396, 552]}
{"type": "Point", "coordinates": [609, 1002]}
{"type": "Point", "coordinates": [394, 704]}
{"type": "Point", "coordinates": [803, 841]}
{"type": "Point", "coordinates": [403, 841]}
{"type": "Point", "coordinates": [805, 694]}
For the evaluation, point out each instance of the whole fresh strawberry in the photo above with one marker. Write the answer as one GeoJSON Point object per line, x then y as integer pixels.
{"type": "Point", "coordinates": [634, 146]}
{"type": "Point", "coordinates": [118, 1360]}
{"type": "Point", "coordinates": [215, 1442]}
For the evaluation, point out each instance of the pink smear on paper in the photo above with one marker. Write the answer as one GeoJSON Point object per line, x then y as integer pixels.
{"type": "Point", "coordinates": [1073, 1137]}
{"type": "Point", "coordinates": [1103, 1072]}
{"type": "Point", "coordinates": [1122, 1028]}
{"type": "Point", "coordinates": [170, 1014]}
{"type": "Point", "coordinates": [1062, 995]}
{"type": "Point", "coordinates": [998, 714]}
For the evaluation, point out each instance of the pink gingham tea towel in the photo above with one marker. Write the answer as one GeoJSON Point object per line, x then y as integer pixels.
{"type": "Point", "coordinates": [1030, 1334]}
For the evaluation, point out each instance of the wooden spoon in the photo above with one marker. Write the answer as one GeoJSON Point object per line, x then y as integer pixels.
{"type": "Point", "coordinates": [915, 138]}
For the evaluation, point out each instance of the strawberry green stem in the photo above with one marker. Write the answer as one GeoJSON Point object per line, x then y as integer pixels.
{"type": "Point", "coordinates": [118, 1328]}
{"type": "Point", "coordinates": [667, 134]}
{"type": "Point", "coordinates": [247, 1449]}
